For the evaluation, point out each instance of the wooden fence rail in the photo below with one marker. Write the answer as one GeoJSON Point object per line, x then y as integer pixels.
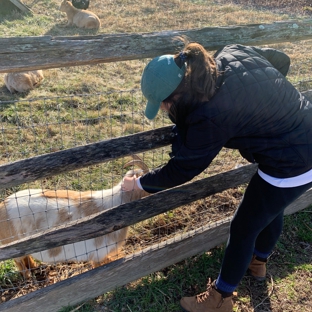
{"type": "Point", "coordinates": [53, 52]}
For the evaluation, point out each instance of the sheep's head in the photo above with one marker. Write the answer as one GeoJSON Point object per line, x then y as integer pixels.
{"type": "Point", "coordinates": [136, 161]}
{"type": "Point", "coordinates": [64, 5]}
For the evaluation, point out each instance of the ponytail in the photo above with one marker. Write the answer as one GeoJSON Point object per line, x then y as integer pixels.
{"type": "Point", "coordinates": [199, 82]}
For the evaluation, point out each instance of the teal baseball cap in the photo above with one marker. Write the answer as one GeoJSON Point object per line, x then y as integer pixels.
{"type": "Point", "coordinates": [160, 78]}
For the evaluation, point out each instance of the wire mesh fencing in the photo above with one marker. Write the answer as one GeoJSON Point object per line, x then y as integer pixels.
{"type": "Point", "coordinates": [38, 126]}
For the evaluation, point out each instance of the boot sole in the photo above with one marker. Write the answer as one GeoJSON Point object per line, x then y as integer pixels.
{"type": "Point", "coordinates": [259, 278]}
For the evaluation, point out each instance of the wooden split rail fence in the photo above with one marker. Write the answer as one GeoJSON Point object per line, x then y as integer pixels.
{"type": "Point", "coordinates": [74, 51]}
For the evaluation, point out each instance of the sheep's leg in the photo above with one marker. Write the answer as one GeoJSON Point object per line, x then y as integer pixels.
{"type": "Point", "coordinates": [69, 23]}
{"type": "Point", "coordinates": [25, 265]}
{"type": "Point", "coordinates": [12, 90]}
{"type": "Point", "coordinates": [113, 256]}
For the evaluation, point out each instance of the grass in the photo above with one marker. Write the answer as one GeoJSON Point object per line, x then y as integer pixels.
{"type": "Point", "coordinates": [85, 104]}
{"type": "Point", "coordinates": [7, 271]}
{"type": "Point", "coordinates": [118, 17]}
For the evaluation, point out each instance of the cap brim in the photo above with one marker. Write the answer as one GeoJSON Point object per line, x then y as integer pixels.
{"type": "Point", "coordinates": [151, 110]}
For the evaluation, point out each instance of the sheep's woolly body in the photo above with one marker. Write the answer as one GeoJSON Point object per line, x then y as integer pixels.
{"type": "Point", "coordinates": [80, 18]}
{"type": "Point", "coordinates": [23, 81]}
{"type": "Point", "coordinates": [28, 212]}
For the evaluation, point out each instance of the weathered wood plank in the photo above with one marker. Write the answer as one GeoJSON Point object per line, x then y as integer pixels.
{"type": "Point", "coordinates": [19, 4]}
{"type": "Point", "coordinates": [302, 202]}
{"type": "Point", "coordinates": [128, 214]}
{"type": "Point", "coordinates": [43, 52]}
{"type": "Point", "coordinates": [39, 167]}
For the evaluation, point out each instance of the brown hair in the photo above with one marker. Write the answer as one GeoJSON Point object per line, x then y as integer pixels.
{"type": "Point", "coordinates": [198, 84]}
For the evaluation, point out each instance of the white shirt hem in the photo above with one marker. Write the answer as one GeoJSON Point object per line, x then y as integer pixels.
{"type": "Point", "coordinates": [299, 180]}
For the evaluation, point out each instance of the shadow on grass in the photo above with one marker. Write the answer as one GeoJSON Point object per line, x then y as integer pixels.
{"type": "Point", "coordinates": [289, 271]}
{"type": "Point", "coordinates": [7, 98]}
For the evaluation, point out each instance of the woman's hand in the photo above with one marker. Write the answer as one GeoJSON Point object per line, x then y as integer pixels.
{"type": "Point", "coordinates": [129, 184]}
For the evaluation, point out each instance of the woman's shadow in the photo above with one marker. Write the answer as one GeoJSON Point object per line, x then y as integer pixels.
{"type": "Point", "coordinates": [291, 255]}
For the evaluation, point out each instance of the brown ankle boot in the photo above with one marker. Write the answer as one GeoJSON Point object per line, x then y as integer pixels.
{"type": "Point", "coordinates": [208, 301]}
{"type": "Point", "coordinates": [257, 269]}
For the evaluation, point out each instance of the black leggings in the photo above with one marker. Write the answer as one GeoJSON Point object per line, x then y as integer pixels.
{"type": "Point", "coordinates": [257, 224]}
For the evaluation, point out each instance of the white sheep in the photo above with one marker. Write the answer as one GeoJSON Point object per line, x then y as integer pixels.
{"type": "Point", "coordinates": [29, 211]}
{"type": "Point", "coordinates": [23, 81]}
{"type": "Point", "coordinates": [80, 18]}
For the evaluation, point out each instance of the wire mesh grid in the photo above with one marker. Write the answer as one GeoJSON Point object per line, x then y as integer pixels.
{"type": "Point", "coordinates": [34, 127]}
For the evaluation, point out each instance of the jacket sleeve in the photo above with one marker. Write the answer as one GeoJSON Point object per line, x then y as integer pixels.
{"type": "Point", "coordinates": [278, 59]}
{"type": "Point", "coordinates": [192, 157]}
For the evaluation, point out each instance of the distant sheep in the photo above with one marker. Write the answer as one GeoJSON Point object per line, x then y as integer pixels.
{"type": "Point", "coordinates": [80, 18]}
{"type": "Point", "coordinates": [29, 211]}
{"type": "Point", "coordinates": [23, 81]}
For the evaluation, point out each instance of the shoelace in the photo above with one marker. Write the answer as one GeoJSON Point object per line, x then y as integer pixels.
{"type": "Point", "coordinates": [204, 295]}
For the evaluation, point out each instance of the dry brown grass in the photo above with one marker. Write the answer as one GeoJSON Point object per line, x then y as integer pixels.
{"type": "Point", "coordinates": [120, 17]}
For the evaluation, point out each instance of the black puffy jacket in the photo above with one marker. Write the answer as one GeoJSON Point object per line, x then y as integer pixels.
{"type": "Point", "coordinates": [255, 109]}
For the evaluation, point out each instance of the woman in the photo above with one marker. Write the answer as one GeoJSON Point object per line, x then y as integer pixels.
{"type": "Point", "coordinates": [239, 99]}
